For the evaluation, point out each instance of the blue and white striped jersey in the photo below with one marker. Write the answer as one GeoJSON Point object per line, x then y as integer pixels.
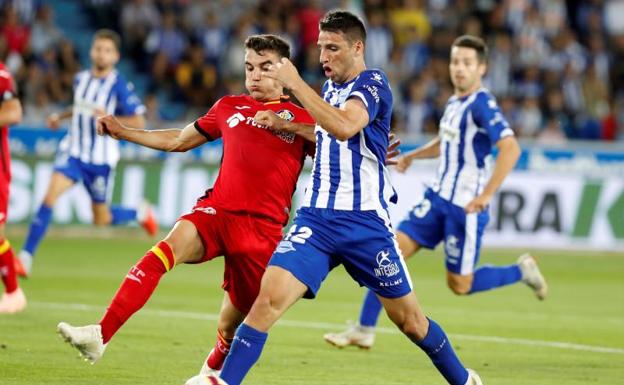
{"type": "Point", "coordinates": [469, 128]}
{"type": "Point", "coordinates": [351, 175]}
{"type": "Point", "coordinates": [112, 94]}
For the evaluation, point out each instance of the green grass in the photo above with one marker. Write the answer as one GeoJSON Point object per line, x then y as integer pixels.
{"type": "Point", "coordinates": [585, 306]}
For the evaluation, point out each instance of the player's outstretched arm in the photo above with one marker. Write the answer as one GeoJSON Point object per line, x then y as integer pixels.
{"type": "Point", "coordinates": [508, 154]}
{"type": "Point", "coordinates": [10, 112]}
{"type": "Point", "coordinates": [427, 151]}
{"type": "Point", "coordinates": [53, 121]}
{"type": "Point", "coordinates": [343, 123]}
{"type": "Point", "coordinates": [272, 121]}
{"type": "Point", "coordinates": [170, 140]}
{"type": "Point", "coordinates": [136, 121]}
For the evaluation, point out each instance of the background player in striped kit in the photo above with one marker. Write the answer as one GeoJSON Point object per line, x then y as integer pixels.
{"type": "Point", "coordinates": [455, 209]}
{"type": "Point", "coordinates": [13, 299]}
{"type": "Point", "coordinates": [85, 156]}
{"type": "Point", "coordinates": [344, 218]}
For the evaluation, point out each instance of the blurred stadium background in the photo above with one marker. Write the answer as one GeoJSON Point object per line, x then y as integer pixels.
{"type": "Point", "coordinates": [556, 69]}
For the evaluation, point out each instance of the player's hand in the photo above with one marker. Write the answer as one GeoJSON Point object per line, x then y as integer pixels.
{"type": "Point", "coordinates": [108, 125]}
{"type": "Point", "coordinates": [393, 150]}
{"type": "Point", "coordinates": [53, 121]}
{"type": "Point", "coordinates": [270, 120]}
{"type": "Point", "coordinates": [284, 72]}
{"type": "Point", "coordinates": [478, 204]}
{"type": "Point", "coordinates": [98, 112]}
{"type": "Point", "coordinates": [403, 163]}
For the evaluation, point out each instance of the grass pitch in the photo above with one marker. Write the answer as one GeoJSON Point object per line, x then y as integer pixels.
{"type": "Point", "coordinates": [575, 337]}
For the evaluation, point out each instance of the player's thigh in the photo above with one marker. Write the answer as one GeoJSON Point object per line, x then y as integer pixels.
{"type": "Point", "coordinates": [203, 228]}
{"type": "Point", "coordinates": [462, 240]}
{"type": "Point", "coordinates": [229, 317]}
{"type": "Point", "coordinates": [185, 242]}
{"type": "Point", "coordinates": [248, 243]}
{"type": "Point", "coordinates": [279, 290]}
{"type": "Point", "coordinates": [407, 314]}
{"type": "Point", "coordinates": [407, 245]}
{"type": "Point", "coordinates": [307, 250]}
{"type": "Point", "coordinates": [424, 224]}
{"type": "Point", "coordinates": [59, 184]}
{"type": "Point", "coordinates": [370, 254]}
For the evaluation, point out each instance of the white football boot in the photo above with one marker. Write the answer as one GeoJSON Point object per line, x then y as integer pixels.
{"type": "Point", "coordinates": [473, 378]}
{"type": "Point", "coordinates": [14, 302]}
{"type": "Point", "coordinates": [87, 339]}
{"type": "Point", "coordinates": [532, 276]}
{"type": "Point", "coordinates": [360, 336]}
{"type": "Point", "coordinates": [207, 370]}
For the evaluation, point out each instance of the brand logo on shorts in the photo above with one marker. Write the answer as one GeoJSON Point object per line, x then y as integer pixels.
{"type": "Point", "coordinates": [284, 247]}
{"type": "Point", "coordinates": [451, 247]}
{"type": "Point", "coordinates": [206, 210]}
{"type": "Point", "coordinates": [386, 268]}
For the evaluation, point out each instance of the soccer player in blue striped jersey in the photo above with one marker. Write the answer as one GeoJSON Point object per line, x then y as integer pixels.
{"type": "Point", "coordinates": [85, 156]}
{"type": "Point", "coordinates": [455, 208]}
{"type": "Point", "coordinates": [344, 219]}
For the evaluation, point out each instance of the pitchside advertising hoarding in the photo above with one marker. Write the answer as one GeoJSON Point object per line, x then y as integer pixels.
{"type": "Point", "coordinates": [554, 199]}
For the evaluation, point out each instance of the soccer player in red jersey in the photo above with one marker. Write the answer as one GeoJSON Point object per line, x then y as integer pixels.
{"type": "Point", "coordinates": [13, 299]}
{"type": "Point", "coordinates": [241, 217]}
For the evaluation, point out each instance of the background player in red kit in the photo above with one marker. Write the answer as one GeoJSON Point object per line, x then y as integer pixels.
{"type": "Point", "coordinates": [13, 299]}
{"type": "Point", "coordinates": [236, 218]}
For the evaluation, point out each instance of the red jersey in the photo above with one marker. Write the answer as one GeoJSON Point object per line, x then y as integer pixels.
{"type": "Point", "coordinates": [260, 167]}
{"type": "Point", "coordinates": [7, 91]}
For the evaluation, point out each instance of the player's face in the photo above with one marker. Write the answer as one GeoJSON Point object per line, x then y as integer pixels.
{"type": "Point", "coordinates": [261, 87]}
{"type": "Point", "coordinates": [466, 69]}
{"type": "Point", "coordinates": [338, 55]}
{"type": "Point", "coordinates": [104, 54]}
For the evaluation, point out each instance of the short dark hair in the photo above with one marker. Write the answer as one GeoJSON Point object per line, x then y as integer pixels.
{"type": "Point", "coordinates": [108, 34]}
{"type": "Point", "coordinates": [474, 42]}
{"type": "Point", "coordinates": [345, 22]}
{"type": "Point", "coordinates": [273, 43]}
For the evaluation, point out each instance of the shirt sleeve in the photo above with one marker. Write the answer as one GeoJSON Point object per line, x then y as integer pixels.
{"type": "Point", "coordinates": [372, 89]}
{"type": "Point", "coordinates": [207, 124]}
{"type": "Point", "coordinates": [487, 115]}
{"type": "Point", "coordinates": [128, 103]}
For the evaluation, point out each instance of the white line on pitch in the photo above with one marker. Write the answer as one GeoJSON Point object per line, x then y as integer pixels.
{"type": "Point", "coordinates": [330, 326]}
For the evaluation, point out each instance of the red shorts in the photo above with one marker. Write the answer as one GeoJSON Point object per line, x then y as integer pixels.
{"type": "Point", "coordinates": [5, 182]}
{"type": "Point", "coordinates": [246, 242]}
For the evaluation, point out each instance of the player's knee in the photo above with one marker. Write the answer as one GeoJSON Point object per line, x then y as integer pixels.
{"type": "Point", "coordinates": [101, 221]}
{"type": "Point", "coordinates": [459, 285]}
{"type": "Point", "coordinates": [414, 328]}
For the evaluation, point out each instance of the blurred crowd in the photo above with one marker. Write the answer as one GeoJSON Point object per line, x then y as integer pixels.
{"type": "Point", "coordinates": [553, 64]}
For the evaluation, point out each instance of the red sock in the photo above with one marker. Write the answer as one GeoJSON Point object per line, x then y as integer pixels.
{"type": "Point", "coordinates": [7, 267]}
{"type": "Point", "coordinates": [136, 288]}
{"type": "Point", "coordinates": [219, 353]}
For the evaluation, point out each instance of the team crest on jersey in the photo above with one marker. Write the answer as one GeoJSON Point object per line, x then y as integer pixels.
{"type": "Point", "coordinates": [286, 115]}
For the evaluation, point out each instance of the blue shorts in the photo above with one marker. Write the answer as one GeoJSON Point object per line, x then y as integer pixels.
{"type": "Point", "coordinates": [321, 239]}
{"type": "Point", "coordinates": [95, 177]}
{"type": "Point", "coordinates": [435, 219]}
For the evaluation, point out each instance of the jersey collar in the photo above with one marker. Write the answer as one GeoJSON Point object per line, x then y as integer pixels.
{"type": "Point", "coordinates": [281, 99]}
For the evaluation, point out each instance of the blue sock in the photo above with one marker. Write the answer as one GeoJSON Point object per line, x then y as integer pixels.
{"type": "Point", "coordinates": [490, 277]}
{"type": "Point", "coordinates": [245, 351]}
{"type": "Point", "coordinates": [438, 347]}
{"type": "Point", "coordinates": [122, 215]}
{"type": "Point", "coordinates": [370, 310]}
{"type": "Point", "coordinates": [38, 228]}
